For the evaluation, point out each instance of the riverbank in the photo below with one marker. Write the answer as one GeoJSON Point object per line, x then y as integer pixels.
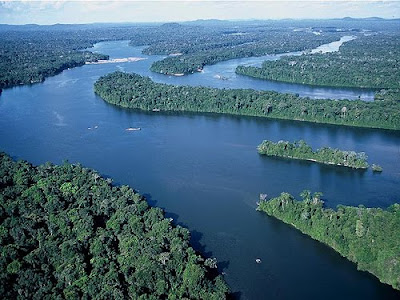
{"type": "Point", "coordinates": [365, 236]}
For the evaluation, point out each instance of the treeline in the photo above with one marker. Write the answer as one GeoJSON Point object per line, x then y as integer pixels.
{"type": "Point", "coordinates": [325, 155]}
{"type": "Point", "coordinates": [29, 53]}
{"type": "Point", "coordinates": [237, 45]}
{"type": "Point", "coordinates": [67, 233]}
{"type": "Point", "coordinates": [30, 57]}
{"type": "Point", "coordinates": [369, 61]}
{"type": "Point", "coordinates": [135, 91]}
{"type": "Point", "coordinates": [368, 237]}
{"type": "Point", "coordinates": [203, 43]}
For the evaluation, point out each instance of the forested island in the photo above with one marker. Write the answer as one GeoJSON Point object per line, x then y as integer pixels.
{"type": "Point", "coordinates": [368, 237]}
{"type": "Point", "coordinates": [135, 91]}
{"type": "Point", "coordinates": [326, 155]}
{"type": "Point", "coordinates": [68, 233]}
{"type": "Point", "coordinates": [369, 61]}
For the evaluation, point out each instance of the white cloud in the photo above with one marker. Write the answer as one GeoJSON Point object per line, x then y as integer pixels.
{"type": "Point", "coordinates": [59, 11]}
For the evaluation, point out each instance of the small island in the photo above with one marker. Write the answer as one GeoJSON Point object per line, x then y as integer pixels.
{"type": "Point", "coordinates": [365, 236]}
{"type": "Point", "coordinates": [326, 155]}
{"type": "Point", "coordinates": [376, 168]}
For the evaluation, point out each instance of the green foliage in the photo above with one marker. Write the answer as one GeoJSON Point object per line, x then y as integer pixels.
{"type": "Point", "coordinates": [368, 237]}
{"type": "Point", "coordinates": [97, 241]}
{"type": "Point", "coordinates": [370, 61]}
{"type": "Point", "coordinates": [225, 47]}
{"type": "Point", "coordinates": [388, 95]}
{"type": "Point", "coordinates": [29, 57]}
{"type": "Point", "coordinates": [135, 91]}
{"type": "Point", "coordinates": [376, 168]}
{"type": "Point", "coordinates": [193, 47]}
{"type": "Point", "coordinates": [325, 155]}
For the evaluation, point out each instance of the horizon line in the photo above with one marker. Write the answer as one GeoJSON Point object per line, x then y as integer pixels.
{"type": "Point", "coordinates": [211, 19]}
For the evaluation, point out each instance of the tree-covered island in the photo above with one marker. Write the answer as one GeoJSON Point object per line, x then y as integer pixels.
{"type": "Point", "coordinates": [213, 49]}
{"type": "Point", "coordinates": [369, 61]}
{"type": "Point", "coordinates": [138, 92]}
{"type": "Point", "coordinates": [326, 155]}
{"type": "Point", "coordinates": [369, 237]}
{"type": "Point", "coordinates": [67, 233]}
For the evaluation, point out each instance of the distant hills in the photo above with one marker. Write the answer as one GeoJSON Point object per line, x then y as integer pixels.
{"type": "Point", "coordinates": [174, 24]}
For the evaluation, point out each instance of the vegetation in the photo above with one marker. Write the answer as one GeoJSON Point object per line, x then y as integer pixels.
{"type": "Point", "coordinates": [135, 91]}
{"type": "Point", "coordinates": [368, 237]}
{"type": "Point", "coordinates": [30, 53]}
{"type": "Point", "coordinates": [370, 61]}
{"type": "Point", "coordinates": [27, 58]}
{"type": "Point", "coordinates": [67, 233]}
{"type": "Point", "coordinates": [237, 46]}
{"type": "Point", "coordinates": [388, 95]}
{"type": "Point", "coordinates": [376, 168]}
{"type": "Point", "coordinates": [203, 43]}
{"type": "Point", "coordinates": [325, 155]}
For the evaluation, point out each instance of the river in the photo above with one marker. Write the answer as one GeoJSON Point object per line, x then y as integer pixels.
{"type": "Point", "coordinates": [203, 169]}
{"type": "Point", "coordinates": [222, 74]}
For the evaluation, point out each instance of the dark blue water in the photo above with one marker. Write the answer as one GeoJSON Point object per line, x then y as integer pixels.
{"type": "Point", "coordinates": [205, 171]}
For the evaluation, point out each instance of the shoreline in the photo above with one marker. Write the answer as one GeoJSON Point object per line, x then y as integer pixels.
{"type": "Point", "coordinates": [317, 161]}
{"type": "Point", "coordinates": [116, 60]}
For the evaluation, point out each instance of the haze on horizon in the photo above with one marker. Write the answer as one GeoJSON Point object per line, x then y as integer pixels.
{"type": "Point", "coordinates": [78, 12]}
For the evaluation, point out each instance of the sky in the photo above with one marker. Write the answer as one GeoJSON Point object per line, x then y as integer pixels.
{"type": "Point", "coordinates": [59, 11]}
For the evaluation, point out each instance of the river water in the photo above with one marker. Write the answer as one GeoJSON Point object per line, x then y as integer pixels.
{"type": "Point", "coordinates": [203, 169]}
{"type": "Point", "coordinates": [222, 75]}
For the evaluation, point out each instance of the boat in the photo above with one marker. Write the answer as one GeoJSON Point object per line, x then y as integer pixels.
{"type": "Point", "coordinates": [258, 260]}
{"type": "Point", "coordinates": [133, 129]}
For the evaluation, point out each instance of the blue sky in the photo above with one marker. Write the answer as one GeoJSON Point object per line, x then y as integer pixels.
{"type": "Point", "coordinates": [51, 12]}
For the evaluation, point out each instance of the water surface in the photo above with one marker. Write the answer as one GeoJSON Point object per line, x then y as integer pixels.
{"type": "Point", "coordinates": [222, 74]}
{"type": "Point", "coordinates": [205, 171]}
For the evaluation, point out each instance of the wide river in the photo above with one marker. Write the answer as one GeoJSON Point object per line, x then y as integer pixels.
{"type": "Point", "coordinates": [204, 170]}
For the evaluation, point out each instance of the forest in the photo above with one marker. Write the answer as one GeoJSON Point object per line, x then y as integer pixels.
{"type": "Point", "coordinates": [30, 53]}
{"type": "Point", "coordinates": [366, 236]}
{"type": "Point", "coordinates": [236, 45]}
{"type": "Point", "coordinates": [326, 155]}
{"type": "Point", "coordinates": [135, 91]}
{"type": "Point", "coordinates": [30, 58]}
{"type": "Point", "coordinates": [369, 61]}
{"type": "Point", "coordinates": [68, 233]}
{"type": "Point", "coordinates": [193, 45]}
